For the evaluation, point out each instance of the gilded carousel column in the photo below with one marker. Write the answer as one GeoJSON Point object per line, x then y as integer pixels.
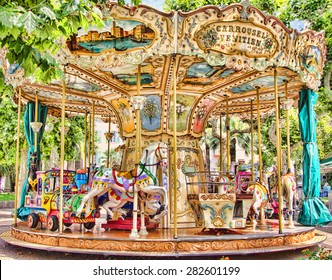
{"type": "Point", "coordinates": [108, 136]}
{"type": "Point", "coordinates": [89, 141]}
{"type": "Point", "coordinates": [93, 133]}
{"type": "Point", "coordinates": [252, 140]}
{"type": "Point", "coordinates": [138, 103]}
{"type": "Point", "coordinates": [62, 152]}
{"type": "Point", "coordinates": [175, 176]}
{"type": "Point", "coordinates": [17, 153]}
{"type": "Point", "coordinates": [85, 139]}
{"type": "Point", "coordinates": [287, 105]}
{"type": "Point", "coordinates": [221, 149]}
{"type": "Point", "coordinates": [259, 137]}
{"type": "Point", "coordinates": [175, 148]}
{"type": "Point", "coordinates": [228, 152]}
{"type": "Point", "coordinates": [278, 148]}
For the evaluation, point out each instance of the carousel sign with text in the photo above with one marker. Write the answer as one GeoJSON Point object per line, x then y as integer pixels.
{"type": "Point", "coordinates": [237, 38]}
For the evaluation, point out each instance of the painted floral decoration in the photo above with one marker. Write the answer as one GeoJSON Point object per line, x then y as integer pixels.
{"type": "Point", "coordinates": [151, 109]}
{"type": "Point", "coordinates": [268, 43]}
{"type": "Point", "coordinates": [180, 107]}
{"type": "Point", "coordinates": [210, 38]}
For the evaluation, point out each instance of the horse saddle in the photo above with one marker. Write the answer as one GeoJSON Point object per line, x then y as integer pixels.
{"type": "Point", "coordinates": [129, 175]}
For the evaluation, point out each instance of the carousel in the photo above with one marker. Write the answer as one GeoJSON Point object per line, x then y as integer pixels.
{"type": "Point", "coordinates": [161, 77]}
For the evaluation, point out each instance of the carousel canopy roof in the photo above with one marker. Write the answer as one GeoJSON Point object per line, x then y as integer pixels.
{"type": "Point", "coordinates": [216, 52]}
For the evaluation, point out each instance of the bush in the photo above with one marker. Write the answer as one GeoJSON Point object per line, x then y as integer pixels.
{"type": "Point", "coordinates": [319, 254]}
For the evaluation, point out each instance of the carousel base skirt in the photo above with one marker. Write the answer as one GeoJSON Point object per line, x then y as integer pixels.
{"type": "Point", "coordinates": [162, 243]}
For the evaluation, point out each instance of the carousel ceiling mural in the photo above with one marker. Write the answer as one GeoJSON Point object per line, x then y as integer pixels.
{"type": "Point", "coordinates": [215, 52]}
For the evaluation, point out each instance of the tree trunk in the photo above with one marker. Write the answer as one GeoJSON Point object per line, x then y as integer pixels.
{"type": "Point", "coordinates": [7, 184]}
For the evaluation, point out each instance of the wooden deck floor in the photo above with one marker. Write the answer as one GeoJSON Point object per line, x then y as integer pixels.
{"type": "Point", "coordinates": [161, 242]}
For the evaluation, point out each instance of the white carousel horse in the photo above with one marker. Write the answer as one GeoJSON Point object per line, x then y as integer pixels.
{"type": "Point", "coordinates": [151, 195]}
{"type": "Point", "coordinates": [288, 184]}
{"type": "Point", "coordinates": [260, 200]}
{"type": "Point", "coordinates": [141, 179]}
{"type": "Point", "coordinates": [289, 194]}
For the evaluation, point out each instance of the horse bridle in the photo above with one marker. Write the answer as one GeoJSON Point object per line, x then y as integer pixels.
{"type": "Point", "coordinates": [157, 154]}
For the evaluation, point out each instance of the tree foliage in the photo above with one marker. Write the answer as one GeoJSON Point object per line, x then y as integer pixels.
{"type": "Point", "coordinates": [73, 138]}
{"type": "Point", "coordinates": [8, 131]}
{"type": "Point", "coordinates": [32, 31]}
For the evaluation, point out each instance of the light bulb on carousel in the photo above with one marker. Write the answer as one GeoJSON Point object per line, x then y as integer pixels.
{"type": "Point", "coordinates": [287, 104]}
{"type": "Point", "coordinates": [36, 126]}
{"type": "Point", "coordinates": [109, 135]}
{"type": "Point", "coordinates": [66, 129]}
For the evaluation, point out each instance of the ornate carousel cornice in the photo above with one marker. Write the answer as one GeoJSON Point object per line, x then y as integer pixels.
{"type": "Point", "coordinates": [213, 56]}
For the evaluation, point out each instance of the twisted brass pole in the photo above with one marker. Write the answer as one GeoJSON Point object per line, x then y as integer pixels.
{"type": "Point", "coordinates": [259, 138]}
{"type": "Point", "coordinates": [17, 154]}
{"type": "Point", "coordinates": [276, 99]}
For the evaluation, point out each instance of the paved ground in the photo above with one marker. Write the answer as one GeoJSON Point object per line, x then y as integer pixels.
{"type": "Point", "coordinates": [8, 251]}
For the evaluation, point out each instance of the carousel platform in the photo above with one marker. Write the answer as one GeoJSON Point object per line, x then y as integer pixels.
{"type": "Point", "coordinates": [161, 242]}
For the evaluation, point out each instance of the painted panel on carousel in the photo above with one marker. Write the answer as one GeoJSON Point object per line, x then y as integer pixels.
{"type": "Point", "coordinates": [204, 74]}
{"type": "Point", "coordinates": [260, 82]}
{"type": "Point", "coordinates": [151, 113]}
{"type": "Point", "coordinates": [120, 35]}
{"type": "Point", "coordinates": [237, 37]}
{"type": "Point", "coordinates": [125, 112]}
{"type": "Point", "coordinates": [184, 105]}
{"type": "Point", "coordinates": [201, 114]}
{"type": "Point", "coordinates": [127, 74]}
{"type": "Point", "coordinates": [74, 82]}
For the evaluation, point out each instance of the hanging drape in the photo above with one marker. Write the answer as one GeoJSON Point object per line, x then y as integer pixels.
{"type": "Point", "coordinates": [313, 211]}
{"type": "Point", "coordinates": [29, 116]}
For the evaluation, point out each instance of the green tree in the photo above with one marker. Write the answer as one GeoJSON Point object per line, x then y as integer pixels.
{"type": "Point", "coordinates": [8, 131]}
{"type": "Point", "coordinates": [31, 32]}
{"type": "Point", "coordinates": [73, 138]}
{"type": "Point", "coordinates": [26, 25]}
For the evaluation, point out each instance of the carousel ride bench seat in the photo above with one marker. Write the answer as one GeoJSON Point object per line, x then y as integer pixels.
{"type": "Point", "coordinates": [212, 198]}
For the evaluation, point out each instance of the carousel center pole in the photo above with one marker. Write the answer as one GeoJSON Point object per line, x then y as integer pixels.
{"type": "Point", "coordinates": [17, 154]}
{"type": "Point", "coordinates": [252, 140]}
{"type": "Point", "coordinates": [62, 151]}
{"type": "Point", "coordinates": [228, 146]}
{"type": "Point", "coordinates": [259, 137]}
{"type": "Point", "coordinates": [278, 150]}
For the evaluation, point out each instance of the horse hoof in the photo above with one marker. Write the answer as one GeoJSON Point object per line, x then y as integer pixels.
{"type": "Point", "coordinates": [160, 215]}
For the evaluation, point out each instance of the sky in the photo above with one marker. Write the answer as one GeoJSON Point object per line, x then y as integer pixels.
{"type": "Point", "coordinates": [154, 3]}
